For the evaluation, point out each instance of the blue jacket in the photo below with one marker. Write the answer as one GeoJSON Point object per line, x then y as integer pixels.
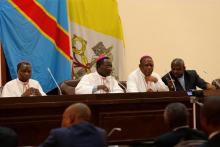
{"type": "Point", "coordinates": [79, 135]}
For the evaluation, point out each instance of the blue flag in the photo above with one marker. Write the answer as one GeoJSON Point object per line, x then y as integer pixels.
{"type": "Point", "coordinates": [36, 31]}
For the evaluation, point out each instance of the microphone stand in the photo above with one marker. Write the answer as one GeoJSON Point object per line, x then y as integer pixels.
{"type": "Point", "coordinates": [120, 84]}
{"type": "Point", "coordinates": [59, 90]}
{"type": "Point", "coordinates": [194, 101]}
{"type": "Point", "coordinates": [113, 130]}
{"type": "Point", "coordinates": [172, 81]}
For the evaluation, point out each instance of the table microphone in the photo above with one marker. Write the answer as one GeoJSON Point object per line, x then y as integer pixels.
{"type": "Point", "coordinates": [60, 92]}
{"type": "Point", "coordinates": [119, 83]}
{"type": "Point", "coordinates": [113, 130]}
{"type": "Point", "coordinates": [125, 89]}
{"type": "Point", "coordinates": [172, 81]}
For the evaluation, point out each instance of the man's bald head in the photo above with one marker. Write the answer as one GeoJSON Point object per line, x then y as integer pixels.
{"type": "Point", "coordinates": [76, 113]}
{"type": "Point", "coordinates": [176, 115]}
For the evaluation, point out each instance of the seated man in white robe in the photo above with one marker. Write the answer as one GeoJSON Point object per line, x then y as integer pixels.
{"type": "Point", "coordinates": [144, 79]}
{"type": "Point", "coordinates": [23, 85]}
{"type": "Point", "coordinates": [100, 81]}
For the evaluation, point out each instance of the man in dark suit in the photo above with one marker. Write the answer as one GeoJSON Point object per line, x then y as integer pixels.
{"type": "Point", "coordinates": [180, 79]}
{"type": "Point", "coordinates": [76, 131]}
{"type": "Point", "coordinates": [176, 116]}
{"type": "Point", "coordinates": [8, 138]}
{"type": "Point", "coordinates": [210, 121]}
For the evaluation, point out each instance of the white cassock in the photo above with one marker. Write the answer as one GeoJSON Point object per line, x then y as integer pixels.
{"type": "Point", "coordinates": [136, 82]}
{"type": "Point", "coordinates": [15, 88]}
{"type": "Point", "coordinates": [89, 81]}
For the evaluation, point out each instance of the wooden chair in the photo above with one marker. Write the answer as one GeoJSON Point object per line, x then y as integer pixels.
{"type": "Point", "coordinates": [68, 87]}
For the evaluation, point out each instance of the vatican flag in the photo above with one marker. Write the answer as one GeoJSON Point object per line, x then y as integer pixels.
{"type": "Point", "coordinates": [95, 27]}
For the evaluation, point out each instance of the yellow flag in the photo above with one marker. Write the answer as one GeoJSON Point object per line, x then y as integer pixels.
{"type": "Point", "coordinates": [95, 29]}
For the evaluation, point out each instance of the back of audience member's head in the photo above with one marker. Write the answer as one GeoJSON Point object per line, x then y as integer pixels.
{"type": "Point", "coordinates": [76, 113]}
{"type": "Point", "coordinates": [176, 115]}
{"type": "Point", "coordinates": [8, 137]}
{"type": "Point", "coordinates": [210, 114]}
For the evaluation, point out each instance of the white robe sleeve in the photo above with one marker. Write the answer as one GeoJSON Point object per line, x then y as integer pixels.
{"type": "Point", "coordinates": [84, 86]}
{"type": "Point", "coordinates": [40, 89]}
{"type": "Point", "coordinates": [131, 84]}
{"type": "Point", "coordinates": [160, 86]}
{"type": "Point", "coordinates": [7, 91]}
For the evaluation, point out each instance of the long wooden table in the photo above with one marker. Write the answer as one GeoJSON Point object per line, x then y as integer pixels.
{"type": "Point", "coordinates": [139, 115]}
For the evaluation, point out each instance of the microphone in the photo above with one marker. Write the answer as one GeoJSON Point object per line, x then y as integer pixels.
{"type": "Point", "coordinates": [125, 89]}
{"type": "Point", "coordinates": [60, 92]}
{"type": "Point", "coordinates": [120, 84]}
{"type": "Point", "coordinates": [113, 130]}
{"type": "Point", "coordinates": [172, 81]}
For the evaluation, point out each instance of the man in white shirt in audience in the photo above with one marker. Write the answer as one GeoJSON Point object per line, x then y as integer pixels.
{"type": "Point", "coordinates": [100, 81]}
{"type": "Point", "coordinates": [23, 85]}
{"type": "Point", "coordinates": [143, 79]}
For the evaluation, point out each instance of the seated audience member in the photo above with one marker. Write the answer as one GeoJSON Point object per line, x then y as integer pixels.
{"type": "Point", "coordinates": [23, 85]}
{"type": "Point", "coordinates": [176, 116]}
{"type": "Point", "coordinates": [180, 79]}
{"type": "Point", "coordinates": [76, 131]}
{"type": "Point", "coordinates": [100, 81]}
{"type": "Point", "coordinates": [210, 121]}
{"type": "Point", "coordinates": [143, 79]}
{"type": "Point", "coordinates": [8, 138]}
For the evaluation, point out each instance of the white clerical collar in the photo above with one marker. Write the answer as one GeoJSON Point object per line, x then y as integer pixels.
{"type": "Point", "coordinates": [181, 127]}
{"type": "Point", "coordinates": [23, 83]}
{"type": "Point", "coordinates": [213, 134]}
{"type": "Point", "coordinates": [107, 77]}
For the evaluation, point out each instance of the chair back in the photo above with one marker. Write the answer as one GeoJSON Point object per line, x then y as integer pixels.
{"type": "Point", "coordinates": [68, 87]}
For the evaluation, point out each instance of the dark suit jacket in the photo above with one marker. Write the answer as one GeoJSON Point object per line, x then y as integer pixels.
{"type": "Point", "coordinates": [170, 139]}
{"type": "Point", "coordinates": [8, 138]}
{"type": "Point", "coordinates": [191, 78]}
{"type": "Point", "coordinates": [213, 142]}
{"type": "Point", "coordinates": [79, 135]}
